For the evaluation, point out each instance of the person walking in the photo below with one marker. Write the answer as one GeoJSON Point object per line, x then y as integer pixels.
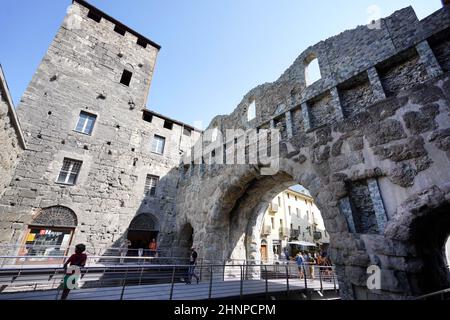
{"type": "Point", "coordinates": [79, 260]}
{"type": "Point", "coordinates": [192, 265]}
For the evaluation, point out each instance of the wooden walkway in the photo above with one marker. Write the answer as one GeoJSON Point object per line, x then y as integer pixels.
{"type": "Point", "coordinates": [181, 291]}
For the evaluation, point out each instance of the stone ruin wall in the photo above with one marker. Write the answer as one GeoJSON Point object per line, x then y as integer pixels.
{"type": "Point", "coordinates": [363, 162]}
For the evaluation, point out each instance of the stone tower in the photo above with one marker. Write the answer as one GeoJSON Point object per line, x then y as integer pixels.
{"type": "Point", "coordinates": [91, 156]}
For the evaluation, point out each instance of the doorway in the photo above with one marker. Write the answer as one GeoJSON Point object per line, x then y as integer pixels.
{"type": "Point", "coordinates": [143, 229]}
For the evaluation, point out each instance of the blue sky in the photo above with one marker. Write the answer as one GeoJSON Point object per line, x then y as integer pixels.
{"type": "Point", "coordinates": [213, 51]}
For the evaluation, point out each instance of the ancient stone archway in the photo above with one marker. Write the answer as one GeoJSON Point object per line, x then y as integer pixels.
{"type": "Point", "coordinates": [364, 139]}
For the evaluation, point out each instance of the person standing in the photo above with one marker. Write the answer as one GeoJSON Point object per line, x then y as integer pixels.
{"type": "Point", "coordinates": [192, 265]}
{"type": "Point", "coordinates": [79, 260]}
{"type": "Point", "coordinates": [300, 263]}
{"type": "Point", "coordinates": [153, 248]}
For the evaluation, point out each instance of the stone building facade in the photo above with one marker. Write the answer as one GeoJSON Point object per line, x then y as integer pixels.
{"type": "Point", "coordinates": [292, 221]}
{"type": "Point", "coordinates": [97, 160]}
{"type": "Point", "coordinates": [11, 136]}
{"type": "Point", "coordinates": [369, 139]}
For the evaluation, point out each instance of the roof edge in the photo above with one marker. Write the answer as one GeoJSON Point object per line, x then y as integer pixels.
{"type": "Point", "coordinates": [117, 22]}
{"type": "Point", "coordinates": [11, 108]}
{"type": "Point", "coordinates": [159, 115]}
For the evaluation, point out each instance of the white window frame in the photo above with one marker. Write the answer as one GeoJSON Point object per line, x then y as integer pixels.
{"type": "Point", "coordinates": [148, 187]}
{"type": "Point", "coordinates": [158, 138]}
{"type": "Point", "coordinates": [83, 131]}
{"type": "Point", "coordinates": [70, 171]}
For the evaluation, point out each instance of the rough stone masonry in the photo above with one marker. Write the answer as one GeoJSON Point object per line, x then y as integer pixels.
{"type": "Point", "coordinates": [370, 140]}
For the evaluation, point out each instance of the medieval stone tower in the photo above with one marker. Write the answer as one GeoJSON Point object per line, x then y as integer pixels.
{"type": "Point", "coordinates": [95, 157]}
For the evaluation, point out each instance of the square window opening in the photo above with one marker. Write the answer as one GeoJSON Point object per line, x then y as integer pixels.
{"type": "Point", "coordinates": [142, 43]}
{"type": "Point", "coordinates": [126, 78]}
{"type": "Point", "coordinates": [187, 132]}
{"type": "Point", "coordinates": [86, 122]}
{"type": "Point", "coordinates": [151, 183]}
{"type": "Point", "coordinates": [168, 125]}
{"type": "Point", "coordinates": [94, 16]}
{"type": "Point", "coordinates": [119, 30]}
{"type": "Point", "coordinates": [69, 172]}
{"type": "Point", "coordinates": [147, 117]}
{"type": "Point", "coordinates": [158, 144]}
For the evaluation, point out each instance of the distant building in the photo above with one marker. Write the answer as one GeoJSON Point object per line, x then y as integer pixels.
{"type": "Point", "coordinates": [292, 219]}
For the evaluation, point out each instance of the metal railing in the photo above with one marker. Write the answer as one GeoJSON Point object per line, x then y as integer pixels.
{"type": "Point", "coordinates": [169, 281]}
{"type": "Point", "coordinates": [439, 295]}
{"type": "Point", "coordinates": [54, 250]}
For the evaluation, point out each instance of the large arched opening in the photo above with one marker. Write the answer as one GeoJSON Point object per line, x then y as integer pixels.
{"type": "Point", "coordinates": [248, 219]}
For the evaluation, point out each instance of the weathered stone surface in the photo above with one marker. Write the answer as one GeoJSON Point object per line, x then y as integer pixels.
{"type": "Point", "coordinates": [411, 149]}
{"type": "Point", "coordinates": [423, 121]}
{"type": "Point", "coordinates": [384, 132]}
{"type": "Point", "coordinates": [219, 207]}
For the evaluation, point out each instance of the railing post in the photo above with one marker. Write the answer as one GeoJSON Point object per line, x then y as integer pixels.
{"type": "Point", "coordinates": [287, 279]}
{"type": "Point", "coordinates": [124, 284]}
{"type": "Point", "coordinates": [334, 278]}
{"type": "Point", "coordinates": [267, 283]}
{"type": "Point", "coordinates": [201, 269]}
{"type": "Point", "coordinates": [320, 278]}
{"type": "Point", "coordinates": [224, 268]}
{"type": "Point", "coordinates": [210, 281]}
{"type": "Point", "coordinates": [173, 283]}
{"type": "Point", "coordinates": [241, 283]}
{"type": "Point", "coordinates": [140, 276]}
{"type": "Point", "coordinates": [304, 275]}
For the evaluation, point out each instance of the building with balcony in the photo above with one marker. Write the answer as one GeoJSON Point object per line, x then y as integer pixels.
{"type": "Point", "coordinates": [292, 220]}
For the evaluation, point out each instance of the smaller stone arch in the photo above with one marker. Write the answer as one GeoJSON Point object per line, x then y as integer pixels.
{"type": "Point", "coordinates": [144, 222]}
{"type": "Point", "coordinates": [56, 216]}
{"type": "Point", "coordinates": [141, 232]}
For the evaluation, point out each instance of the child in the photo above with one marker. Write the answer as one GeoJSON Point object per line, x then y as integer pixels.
{"type": "Point", "coordinates": [78, 259]}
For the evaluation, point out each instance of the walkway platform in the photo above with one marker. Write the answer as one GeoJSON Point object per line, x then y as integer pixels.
{"type": "Point", "coordinates": [181, 291]}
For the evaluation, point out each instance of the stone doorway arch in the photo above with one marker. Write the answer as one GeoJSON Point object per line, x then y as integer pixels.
{"type": "Point", "coordinates": [142, 230]}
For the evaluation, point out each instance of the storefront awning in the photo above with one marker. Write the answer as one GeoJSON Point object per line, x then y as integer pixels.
{"type": "Point", "coordinates": [303, 243]}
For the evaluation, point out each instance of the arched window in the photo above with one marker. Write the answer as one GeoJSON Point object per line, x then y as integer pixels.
{"type": "Point", "coordinates": [51, 232]}
{"type": "Point", "coordinates": [56, 216]}
{"type": "Point", "coordinates": [251, 112]}
{"type": "Point", "coordinates": [312, 70]}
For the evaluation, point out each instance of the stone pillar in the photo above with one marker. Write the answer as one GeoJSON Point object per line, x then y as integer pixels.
{"type": "Point", "coordinates": [346, 209]}
{"type": "Point", "coordinates": [289, 124]}
{"type": "Point", "coordinates": [306, 116]}
{"type": "Point", "coordinates": [377, 87]}
{"type": "Point", "coordinates": [378, 206]}
{"type": "Point", "coordinates": [336, 101]}
{"type": "Point", "coordinates": [428, 59]}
